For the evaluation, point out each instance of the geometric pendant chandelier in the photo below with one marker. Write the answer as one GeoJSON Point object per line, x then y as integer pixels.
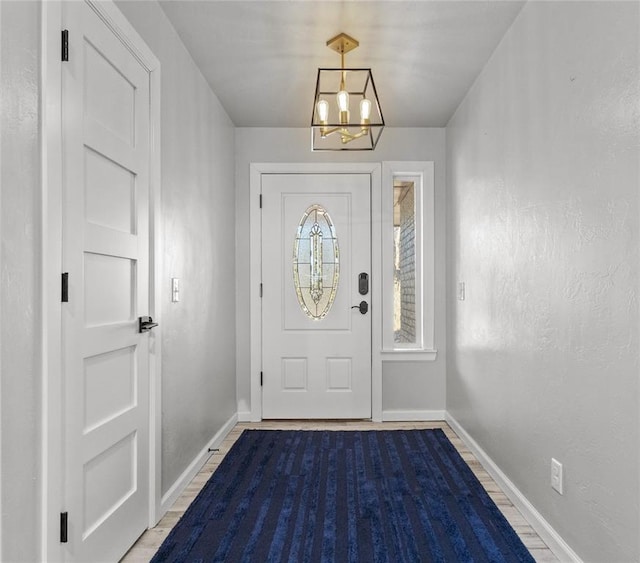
{"type": "Point", "coordinates": [346, 110]}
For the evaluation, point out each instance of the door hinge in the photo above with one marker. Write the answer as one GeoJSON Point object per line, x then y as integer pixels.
{"type": "Point", "coordinates": [65, 45]}
{"type": "Point", "coordinates": [64, 527]}
{"type": "Point", "coordinates": [260, 290]}
{"type": "Point", "coordinates": [260, 201]}
{"type": "Point", "coordinates": [261, 378]}
{"type": "Point", "coordinates": [65, 288]}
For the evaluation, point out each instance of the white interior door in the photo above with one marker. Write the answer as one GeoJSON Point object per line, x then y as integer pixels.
{"type": "Point", "coordinates": [316, 243]}
{"type": "Point", "coordinates": [105, 103]}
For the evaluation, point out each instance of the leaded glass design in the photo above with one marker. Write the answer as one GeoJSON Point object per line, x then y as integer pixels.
{"type": "Point", "coordinates": [316, 262]}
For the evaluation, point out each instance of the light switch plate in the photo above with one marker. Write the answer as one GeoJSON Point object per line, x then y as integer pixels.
{"type": "Point", "coordinates": [461, 291]}
{"type": "Point", "coordinates": [556, 475]}
{"type": "Point", "coordinates": [175, 290]}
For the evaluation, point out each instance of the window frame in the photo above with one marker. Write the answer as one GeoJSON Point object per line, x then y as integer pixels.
{"type": "Point", "coordinates": [422, 174]}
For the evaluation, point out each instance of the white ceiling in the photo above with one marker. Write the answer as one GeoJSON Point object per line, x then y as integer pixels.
{"type": "Point", "coordinates": [261, 57]}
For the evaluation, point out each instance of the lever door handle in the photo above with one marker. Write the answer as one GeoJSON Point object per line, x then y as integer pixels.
{"type": "Point", "coordinates": [145, 324]}
{"type": "Point", "coordinates": [363, 306]}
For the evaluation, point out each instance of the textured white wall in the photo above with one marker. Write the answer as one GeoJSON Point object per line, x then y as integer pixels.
{"type": "Point", "coordinates": [406, 385]}
{"type": "Point", "coordinates": [543, 227]}
{"type": "Point", "coordinates": [198, 338]}
{"type": "Point", "coordinates": [20, 301]}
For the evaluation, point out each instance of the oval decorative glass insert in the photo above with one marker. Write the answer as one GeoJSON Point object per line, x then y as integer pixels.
{"type": "Point", "coordinates": [316, 262]}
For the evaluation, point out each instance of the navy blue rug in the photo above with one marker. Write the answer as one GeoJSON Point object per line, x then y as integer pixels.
{"type": "Point", "coordinates": [375, 496]}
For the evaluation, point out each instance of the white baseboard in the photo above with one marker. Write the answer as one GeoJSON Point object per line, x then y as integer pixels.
{"type": "Point", "coordinates": [538, 523]}
{"type": "Point", "coordinates": [407, 416]}
{"type": "Point", "coordinates": [387, 416]}
{"type": "Point", "coordinates": [192, 470]}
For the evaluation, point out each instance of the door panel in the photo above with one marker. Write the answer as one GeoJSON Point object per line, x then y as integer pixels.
{"type": "Point", "coordinates": [110, 193]}
{"type": "Point", "coordinates": [105, 98]}
{"type": "Point", "coordinates": [316, 240]}
{"type": "Point", "coordinates": [105, 397]}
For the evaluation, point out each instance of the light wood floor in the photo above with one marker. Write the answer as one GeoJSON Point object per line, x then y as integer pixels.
{"type": "Point", "coordinates": [150, 541]}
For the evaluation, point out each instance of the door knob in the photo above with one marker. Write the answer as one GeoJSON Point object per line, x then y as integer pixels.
{"type": "Point", "coordinates": [145, 324]}
{"type": "Point", "coordinates": [363, 306]}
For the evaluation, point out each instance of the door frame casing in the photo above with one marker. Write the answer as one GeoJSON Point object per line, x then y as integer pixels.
{"type": "Point", "coordinates": [374, 170]}
{"type": "Point", "coordinates": [51, 135]}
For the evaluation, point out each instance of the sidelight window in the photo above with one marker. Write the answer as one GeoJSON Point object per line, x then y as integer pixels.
{"type": "Point", "coordinates": [405, 261]}
{"type": "Point", "coordinates": [408, 260]}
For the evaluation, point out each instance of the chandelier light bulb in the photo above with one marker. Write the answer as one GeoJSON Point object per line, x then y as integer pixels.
{"type": "Point", "coordinates": [343, 100]}
{"type": "Point", "coordinates": [323, 110]}
{"type": "Point", "coordinates": [343, 106]}
{"type": "Point", "coordinates": [365, 110]}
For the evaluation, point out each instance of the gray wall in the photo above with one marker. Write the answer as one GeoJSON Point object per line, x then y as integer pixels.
{"type": "Point", "coordinates": [198, 338]}
{"type": "Point", "coordinates": [20, 301]}
{"type": "Point", "coordinates": [406, 385]}
{"type": "Point", "coordinates": [543, 228]}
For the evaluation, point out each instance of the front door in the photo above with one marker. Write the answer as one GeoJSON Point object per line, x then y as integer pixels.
{"type": "Point", "coordinates": [106, 132]}
{"type": "Point", "coordinates": [316, 266]}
